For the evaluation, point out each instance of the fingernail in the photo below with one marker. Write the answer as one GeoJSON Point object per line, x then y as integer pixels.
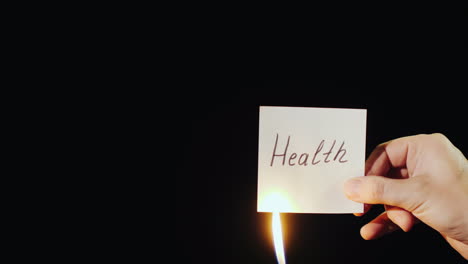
{"type": "Point", "coordinates": [400, 221]}
{"type": "Point", "coordinates": [352, 188]}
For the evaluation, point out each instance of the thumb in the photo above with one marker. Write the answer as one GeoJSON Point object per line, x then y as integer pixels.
{"type": "Point", "coordinates": [380, 190]}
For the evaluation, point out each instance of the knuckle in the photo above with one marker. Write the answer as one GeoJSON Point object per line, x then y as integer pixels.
{"type": "Point", "coordinates": [439, 137]}
{"type": "Point", "coordinates": [439, 142]}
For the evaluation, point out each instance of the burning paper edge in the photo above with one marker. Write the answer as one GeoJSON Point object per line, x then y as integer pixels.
{"type": "Point", "coordinates": [278, 238]}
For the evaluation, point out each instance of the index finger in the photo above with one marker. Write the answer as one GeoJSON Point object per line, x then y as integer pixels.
{"type": "Point", "coordinates": [391, 154]}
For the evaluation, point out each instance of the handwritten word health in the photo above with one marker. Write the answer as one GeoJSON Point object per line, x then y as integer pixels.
{"type": "Point", "coordinates": [303, 159]}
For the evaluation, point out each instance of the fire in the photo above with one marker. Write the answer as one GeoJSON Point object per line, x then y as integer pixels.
{"type": "Point", "coordinates": [278, 238]}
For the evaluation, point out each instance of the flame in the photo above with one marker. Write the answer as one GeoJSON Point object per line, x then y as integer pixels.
{"type": "Point", "coordinates": [278, 238]}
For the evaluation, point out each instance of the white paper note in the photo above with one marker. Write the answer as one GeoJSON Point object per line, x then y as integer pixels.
{"type": "Point", "coordinates": [305, 156]}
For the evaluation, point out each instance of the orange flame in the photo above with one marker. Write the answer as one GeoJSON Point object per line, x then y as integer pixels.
{"type": "Point", "coordinates": [278, 238]}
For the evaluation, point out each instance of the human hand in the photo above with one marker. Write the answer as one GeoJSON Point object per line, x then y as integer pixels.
{"type": "Point", "coordinates": [420, 177]}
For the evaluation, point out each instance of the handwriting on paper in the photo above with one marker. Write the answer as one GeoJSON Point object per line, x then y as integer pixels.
{"type": "Point", "coordinates": [302, 159]}
{"type": "Point", "coordinates": [305, 155]}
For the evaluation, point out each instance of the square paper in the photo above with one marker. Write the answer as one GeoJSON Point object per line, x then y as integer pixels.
{"type": "Point", "coordinates": [305, 156]}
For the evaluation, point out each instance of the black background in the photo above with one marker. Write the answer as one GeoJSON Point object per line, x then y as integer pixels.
{"type": "Point", "coordinates": [217, 221]}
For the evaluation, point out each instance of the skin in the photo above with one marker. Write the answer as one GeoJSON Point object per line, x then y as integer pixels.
{"type": "Point", "coordinates": [417, 178]}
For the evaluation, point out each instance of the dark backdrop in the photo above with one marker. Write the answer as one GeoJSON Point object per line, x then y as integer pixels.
{"type": "Point", "coordinates": [216, 218]}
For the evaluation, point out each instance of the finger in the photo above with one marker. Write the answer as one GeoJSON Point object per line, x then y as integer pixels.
{"type": "Point", "coordinates": [394, 173]}
{"type": "Point", "coordinates": [378, 227]}
{"type": "Point", "coordinates": [377, 163]}
{"type": "Point", "coordinates": [381, 190]}
{"type": "Point", "coordinates": [404, 219]}
{"type": "Point", "coordinates": [396, 153]}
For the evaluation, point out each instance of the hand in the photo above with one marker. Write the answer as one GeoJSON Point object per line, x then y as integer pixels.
{"type": "Point", "coordinates": [420, 177]}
